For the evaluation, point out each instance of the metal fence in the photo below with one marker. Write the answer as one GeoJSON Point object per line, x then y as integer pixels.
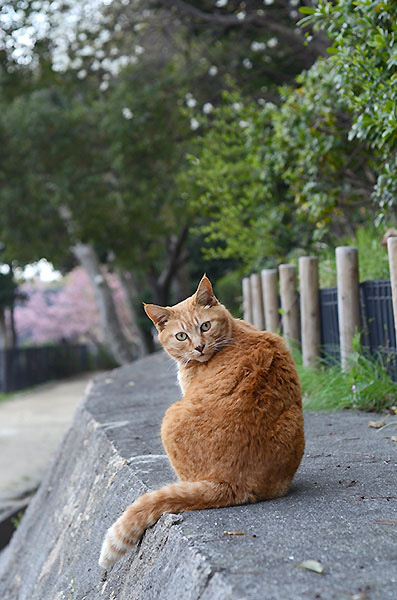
{"type": "Point", "coordinates": [377, 323]}
{"type": "Point", "coordinates": [24, 367]}
{"type": "Point", "coordinates": [329, 324]}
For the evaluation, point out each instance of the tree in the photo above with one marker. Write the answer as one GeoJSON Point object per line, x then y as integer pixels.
{"type": "Point", "coordinates": [9, 294]}
{"type": "Point", "coordinates": [313, 167]}
{"type": "Point", "coordinates": [100, 127]}
{"type": "Point", "coordinates": [364, 59]}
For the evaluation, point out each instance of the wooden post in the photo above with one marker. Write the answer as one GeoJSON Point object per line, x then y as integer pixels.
{"type": "Point", "coordinates": [257, 301]}
{"type": "Point", "coordinates": [310, 309]}
{"type": "Point", "coordinates": [270, 299]}
{"type": "Point", "coordinates": [247, 300]}
{"type": "Point", "coordinates": [289, 304]}
{"type": "Point", "coordinates": [392, 250]}
{"type": "Point", "coordinates": [348, 299]}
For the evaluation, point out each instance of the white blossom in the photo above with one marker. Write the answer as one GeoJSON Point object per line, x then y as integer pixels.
{"type": "Point", "coordinates": [272, 43]}
{"type": "Point", "coordinates": [82, 74]}
{"type": "Point", "coordinates": [241, 15]}
{"type": "Point", "coordinates": [294, 2]}
{"type": "Point", "coordinates": [194, 124]}
{"type": "Point", "coordinates": [191, 102]}
{"type": "Point", "coordinates": [207, 108]}
{"type": "Point", "coordinates": [127, 113]}
{"type": "Point", "coordinates": [139, 49]}
{"type": "Point", "coordinates": [237, 105]}
{"type": "Point", "coordinates": [104, 86]}
{"type": "Point", "coordinates": [257, 46]}
{"type": "Point", "coordinates": [213, 70]}
{"type": "Point", "coordinates": [221, 3]}
{"type": "Point", "coordinates": [243, 123]}
{"type": "Point", "coordinates": [247, 63]}
{"type": "Point", "coordinates": [268, 2]}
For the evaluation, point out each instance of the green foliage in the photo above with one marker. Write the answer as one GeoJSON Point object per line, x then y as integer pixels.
{"type": "Point", "coordinates": [309, 171]}
{"type": "Point", "coordinates": [228, 291]}
{"type": "Point", "coordinates": [106, 162]}
{"type": "Point", "coordinates": [373, 260]}
{"type": "Point", "coordinates": [364, 34]}
{"type": "Point", "coordinates": [271, 179]}
{"type": "Point", "coordinates": [234, 184]}
{"type": "Point", "coordinates": [17, 519]}
{"type": "Point", "coordinates": [365, 386]}
{"type": "Point", "coordinates": [320, 169]}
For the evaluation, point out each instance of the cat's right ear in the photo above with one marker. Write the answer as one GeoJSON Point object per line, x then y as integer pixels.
{"type": "Point", "coordinates": [158, 314]}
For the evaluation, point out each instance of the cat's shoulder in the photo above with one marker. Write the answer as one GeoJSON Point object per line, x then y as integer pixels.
{"type": "Point", "coordinates": [250, 336]}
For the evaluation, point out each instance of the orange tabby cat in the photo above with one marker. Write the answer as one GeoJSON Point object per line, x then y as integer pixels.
{"type": "Point", "coordinates": [237, 434]}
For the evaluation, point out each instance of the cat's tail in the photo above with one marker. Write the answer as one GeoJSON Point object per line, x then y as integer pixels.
{"type": "Point", "coordinates": [146, 510]}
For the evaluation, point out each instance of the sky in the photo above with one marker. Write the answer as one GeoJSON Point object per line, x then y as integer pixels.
{"type": "Point", "coordinates": [42, 269]}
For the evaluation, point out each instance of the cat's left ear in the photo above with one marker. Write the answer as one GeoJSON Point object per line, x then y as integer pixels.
{"type": "Point", "coordinates": [204, 295]}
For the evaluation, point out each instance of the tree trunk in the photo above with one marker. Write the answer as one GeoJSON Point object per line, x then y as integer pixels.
{"type": "Point", "coordinates": [181, 283]}
{"type": "Point", "coordinates": [13, 329]}
{"type": "Point", "coordinates": [119, 346]}
{"type": "Point", "coordinates": [4, 338]}
{"type": "Point", "coordinates": [161, 283]}
{"type": "Point", "coordinates": [144, 338]}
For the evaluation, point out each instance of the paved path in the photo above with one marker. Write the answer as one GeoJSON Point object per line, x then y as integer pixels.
{"type": "Point", "coordinates": [32, 424]}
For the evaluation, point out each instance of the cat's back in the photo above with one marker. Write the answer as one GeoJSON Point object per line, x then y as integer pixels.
{"type": "Point", "coordinates": [255, 365]}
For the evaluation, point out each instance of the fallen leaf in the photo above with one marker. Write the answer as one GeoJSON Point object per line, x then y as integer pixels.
{"type": "Point", "coordinates": [393, 410]}
{"type": "Point", "coordinates": [233, 532]}
{"type": "Point", "coordinates": [377, 424]}
{"type": "Point", "coordinates": [311, 565]}
{"type": "Point", "coordinates": [351, 483]}
{"type": "Point", "coordinates": [394, 438]}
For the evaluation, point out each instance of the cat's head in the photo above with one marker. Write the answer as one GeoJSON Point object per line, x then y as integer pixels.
{"type": "Point", "coordinates": [193, 329]}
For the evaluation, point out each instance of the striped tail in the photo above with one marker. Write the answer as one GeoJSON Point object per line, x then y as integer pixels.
{"type": "Point", "coordinates": [147, 509]}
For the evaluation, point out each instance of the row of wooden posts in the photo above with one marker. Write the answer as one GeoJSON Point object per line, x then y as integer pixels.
{"type": "Point", "coordinates": [261, 301]}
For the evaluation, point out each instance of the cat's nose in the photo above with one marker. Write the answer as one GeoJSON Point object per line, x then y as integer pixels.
{"type": "Point", "coordinates": [200, 348]}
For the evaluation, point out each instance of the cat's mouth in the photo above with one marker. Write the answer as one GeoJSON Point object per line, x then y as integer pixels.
{"type": "Point", "coordinates": [203, 357]}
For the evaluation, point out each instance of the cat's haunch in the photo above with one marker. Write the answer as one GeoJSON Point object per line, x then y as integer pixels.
{"type": "Point", "coordinates": [236, 436]}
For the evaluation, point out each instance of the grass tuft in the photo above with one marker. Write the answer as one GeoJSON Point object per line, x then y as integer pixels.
{"type": "Point", "coordinates": [365, 386]}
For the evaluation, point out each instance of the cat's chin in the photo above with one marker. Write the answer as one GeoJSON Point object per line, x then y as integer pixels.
{"type": "Point", "coordinates": [203, 358]}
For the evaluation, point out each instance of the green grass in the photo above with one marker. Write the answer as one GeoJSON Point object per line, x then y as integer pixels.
{"type": "Point", "coordinates": [365, 386]}
{"type": "Point", "coordinates": [372, 257]}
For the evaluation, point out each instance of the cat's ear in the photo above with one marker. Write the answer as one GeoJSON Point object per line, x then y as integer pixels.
{"type": "Point", "coordinates": [204, 295]}
{"type": "Point", "coordinates": [158, 314]}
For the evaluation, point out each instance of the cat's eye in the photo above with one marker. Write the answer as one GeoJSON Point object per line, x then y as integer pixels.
{"type": "Point", "coordinates": [205, 326]}
{"type": "Point", "coordinates": [181, 336]}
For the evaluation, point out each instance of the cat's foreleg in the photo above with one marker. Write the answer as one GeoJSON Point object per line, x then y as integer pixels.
{"type": "Point", "coordinates": [147, 509]}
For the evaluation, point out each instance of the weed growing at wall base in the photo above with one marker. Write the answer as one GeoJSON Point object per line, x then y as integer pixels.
{"type": "Point", "coordinates": [365, 386]}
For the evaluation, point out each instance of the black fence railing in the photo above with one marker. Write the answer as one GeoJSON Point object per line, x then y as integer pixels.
{"type": "Point", "coordinates": [24, 367]}
{"type": "Point", "coordinates": [377, 323]}
{"type": "Point", "coordinates": [329, 324]}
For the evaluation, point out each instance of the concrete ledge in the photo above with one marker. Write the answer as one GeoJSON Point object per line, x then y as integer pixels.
{"type": "Point", "coordinates": [341, 511]}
